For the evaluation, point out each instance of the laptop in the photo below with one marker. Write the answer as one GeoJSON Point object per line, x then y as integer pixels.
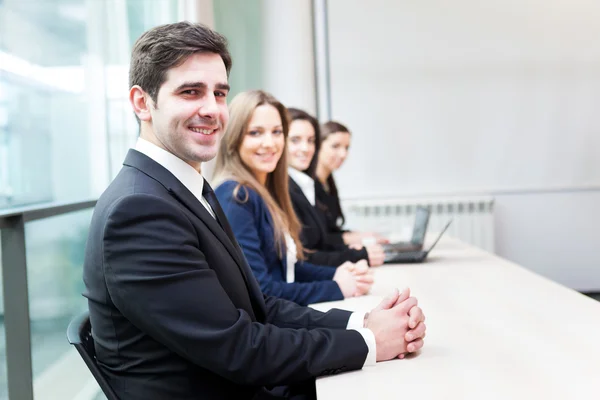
{"type": "Point", "coordinates": [418, 235]}
{"type": "Point", "coordinates": [413, 256]}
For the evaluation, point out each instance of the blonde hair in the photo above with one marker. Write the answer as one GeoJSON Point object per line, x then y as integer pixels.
{"type": "Point", "coordinates": [229, 166]}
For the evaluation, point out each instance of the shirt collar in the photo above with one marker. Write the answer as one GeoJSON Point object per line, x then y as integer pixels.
{"type": "Point", "coordinates": [184, 172]}
{"type": "Point", "coordinates": [306, 183]}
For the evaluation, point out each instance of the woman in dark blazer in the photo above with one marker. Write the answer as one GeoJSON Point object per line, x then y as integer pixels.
{"type": "Point", "coordinates": [251, 175]}
{"type": "Point", "coordinates": [327, 244]}
{"type": "Point", "coordinates": [335, 143]}
{"type": "Point", "coordinates": [325, 247]}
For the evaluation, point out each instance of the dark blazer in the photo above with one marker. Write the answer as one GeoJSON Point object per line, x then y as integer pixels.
{"type": "Point", "coordinates": [175, 310]}
{"type": "Point", "coordinates": [253, 228]}
{"type": "Point", "coordinates": [314, 236]}
{"type": "Point", "coordinates": [327, 206]}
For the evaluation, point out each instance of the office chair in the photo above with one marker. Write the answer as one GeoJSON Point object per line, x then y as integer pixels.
{"type": "Point", "coordinates": [79, 334]}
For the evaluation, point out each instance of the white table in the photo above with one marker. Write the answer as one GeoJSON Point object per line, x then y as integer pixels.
{"type": "Point", "coordinates": [494, 331]}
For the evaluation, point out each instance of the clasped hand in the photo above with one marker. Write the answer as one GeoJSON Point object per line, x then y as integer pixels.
{"type": "Point", "coordinates": [398, 324]}
{"type": "Point", "coordinates": [354, 279]}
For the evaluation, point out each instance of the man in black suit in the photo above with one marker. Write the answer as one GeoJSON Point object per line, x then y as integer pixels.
{"type": "Point", "coordinates": [175, 310]}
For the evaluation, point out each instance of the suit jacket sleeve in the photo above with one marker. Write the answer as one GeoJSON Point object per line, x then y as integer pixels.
{"type": "Point", "coordinates": [307, 272]}
{"type": "Point", "coordinates": [287, 314]}
{"type": "Point", "coordinates": [335, 240]}
{"type": "Point", "coordinates": [242, 219]}
{"type": "Point", "coordinates": [158, 277]}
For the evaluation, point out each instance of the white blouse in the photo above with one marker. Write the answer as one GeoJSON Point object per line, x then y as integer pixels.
{"type": "Point", "coordinates": [306, 183]}
{"type": "Point", "coordinates": [292, 258]}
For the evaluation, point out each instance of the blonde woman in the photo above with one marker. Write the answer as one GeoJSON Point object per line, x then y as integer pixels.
{"type": "Point", "coordinates": [252, 180]}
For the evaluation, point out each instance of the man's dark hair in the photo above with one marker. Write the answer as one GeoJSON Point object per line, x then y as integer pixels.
{"type": "Point", "coordinates": [167, 46]}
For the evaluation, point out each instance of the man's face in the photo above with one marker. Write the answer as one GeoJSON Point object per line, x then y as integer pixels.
{"type": "Point", "coordinates": [190, 113]}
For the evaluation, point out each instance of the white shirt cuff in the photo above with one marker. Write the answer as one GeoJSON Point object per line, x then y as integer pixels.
{"type": "Point", "coordinates": [369, 240]}
{"type": "Point", "coordinates": [356, 322]}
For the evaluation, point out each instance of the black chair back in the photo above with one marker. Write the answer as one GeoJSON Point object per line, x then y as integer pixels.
{"type": "Point", "coordinates": [79, 334]}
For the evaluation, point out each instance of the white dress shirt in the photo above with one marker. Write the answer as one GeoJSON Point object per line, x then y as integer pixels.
{"type": "Point", "coordinates": [292, 258]}
{"type": "Point", "coordinates": [306, 183]}
{"type": "Point", "coordinates": [183, 171]}
{"type": "Point", "coordinates": [194, 182]}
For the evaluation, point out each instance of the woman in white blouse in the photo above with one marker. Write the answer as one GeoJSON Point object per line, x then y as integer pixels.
{"type": "Point", "coordinates": [326, 248]}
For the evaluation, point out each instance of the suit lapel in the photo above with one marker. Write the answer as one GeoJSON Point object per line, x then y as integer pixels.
{"type": "Point", "coordinates": [191, 202]}
{"type": "Point", "coordinates": [178, 190]}
{"type": "Point", "coordinates": [299, 195]}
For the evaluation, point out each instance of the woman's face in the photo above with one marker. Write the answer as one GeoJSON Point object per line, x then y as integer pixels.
{"type": "Point", "coordinates": [301, 144]}
{"type": "Point", "coordinates": [334, 150]}
{"type": "Point", "coordinates": [263, 142]}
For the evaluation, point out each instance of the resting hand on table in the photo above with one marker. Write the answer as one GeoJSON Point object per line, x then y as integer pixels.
{"type": "Point", "coordinates": [354, 279]}
{"type": "Point", "coordinates": [398, 326]}
{"type": "Point", "coordinates": [379, 239]}
{"type": "Point", "coordinates": [355, 238]}
{"type": "Point", "coordinates": [352, 239]}
{"type": "Point", "coordinates": [363, 276]}
{"type": "Point", "coordinates": [376, 254]}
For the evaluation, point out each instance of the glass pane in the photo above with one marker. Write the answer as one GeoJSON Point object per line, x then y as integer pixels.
{"type": "Point", "coordinates": [65, 122]}
{"type": "Point", "coordinates": [3, 382]}
{"type": "Point", "coordinates": [55, 252]}
{"type": "Point", "coordinates": [45, 54]}
{"type": "Point", "coordinates": [241, 23]}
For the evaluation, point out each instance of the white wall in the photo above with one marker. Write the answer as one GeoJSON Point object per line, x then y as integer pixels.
{"type": "Point", "coordinates": [272, 48]}
{"type": "Point", "coordinates": [288, 62]}
{"type": "Point", "coordinates": [492, 97]}
{"type": "Point", "coordinates": [554, 234]}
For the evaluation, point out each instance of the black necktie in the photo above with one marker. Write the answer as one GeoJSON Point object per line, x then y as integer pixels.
{"type": "Point", "coordinates": [210, 196]}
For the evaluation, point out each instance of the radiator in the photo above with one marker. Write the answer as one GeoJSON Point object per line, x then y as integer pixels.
{"type": "Point", "coordinates": [472, 217]}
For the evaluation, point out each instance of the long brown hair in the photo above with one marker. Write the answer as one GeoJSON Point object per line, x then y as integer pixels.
{"type": "Point", "coordinates": [329, 128]}
{"type": "Point", "coordinates": [229, 166]}
{"type": "Point", "coordinates": [301, 115]}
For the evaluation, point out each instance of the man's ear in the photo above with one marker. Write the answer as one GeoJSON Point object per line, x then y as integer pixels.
{"type": "Point", "coordinates": [141, 103]}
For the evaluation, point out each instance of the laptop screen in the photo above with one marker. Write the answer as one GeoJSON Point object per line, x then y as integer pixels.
{"type": "Point", "coordinates": [420, 228]}
{"type": "Point", "coordinates": [439, 236]}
